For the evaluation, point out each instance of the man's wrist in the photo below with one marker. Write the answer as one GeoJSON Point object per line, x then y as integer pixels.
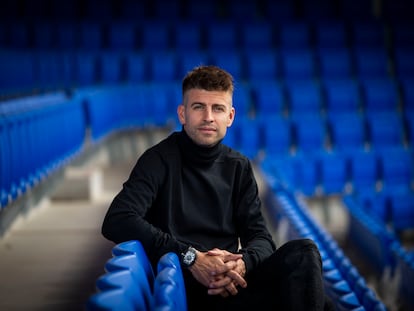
{"type": "Point", "coordinates": [189, 257]}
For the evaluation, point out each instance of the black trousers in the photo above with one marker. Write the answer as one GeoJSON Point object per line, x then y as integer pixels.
{"type": "Point", "coordinates": [290, 279]}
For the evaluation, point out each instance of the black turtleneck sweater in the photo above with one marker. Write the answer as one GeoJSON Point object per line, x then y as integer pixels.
{"type": "Point", "coordinates": [181, 194]}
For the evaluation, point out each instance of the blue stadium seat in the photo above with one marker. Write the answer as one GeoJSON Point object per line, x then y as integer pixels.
{"type": "Point", "coordinates": [242, 99]}
{"type": "Point", "coordinates": [98, 10]}
{"type": "Point", "coordinates": [86, 71]}
{"type": "Point", "coordinates": [19, 34]}
{"type": "Point", "coordinates": [407, 96]}
{"type": "Point", "coordinates": [385, 129]}
{"type": "Point", "coordinates": [167, 10]}
{"type": "Point", "coordinates": [191, 59]}
{"type": "Point", "coordinates": [230, 60]}
{"type": "Point", "coordinates": [402, 34]}
{"type": "Point", "coordinates": [364, 170]}
{"type": "Point", "coordinates": [125, 281]}
{"type": "Point", "coordinates": [4, 164]}
{"type": "Point", "coordinates": [334, 172]}
{"type": "Point", "coordinates": [204, 11]}
{"type": "Point", "coordinates": [222, 35]}
{"type": "Point", "coordinates": [187, 36]}
{"type": "Point", "coordinates": [111, 67]}
{"type": "Point", "coordinates": [169, 290]}
{"type": "Point", "coordinates": [356, 10]}
{"type": "Point", "coordinates": [135, 247]}
{"type": "Point", "coordinates": [367, 33]}
{"type": "Point", "coordinates": [163, 66]}
{"type": "Point", "coordinates": [409, 125]}
{"type": "Point", "coordinates": [318, 10]}
{"type": "Point", "coordinates": [307, 174]}
{"type": "Point", "coordinates": [341, 96]}
{"type": "Point", "coordinates": [309, 132]}
{"type": "Point", "coordinates": [67, 35]}
{"type": "Point", "coordinates": [91, 35]}
{"type": "Point", "coordinates": [304, 97]}
{"type": "Point", "coordinates": [298, 64]}
{"type": "Point", "coordinates": [277, 135]}
{"type": "Point", "coordinates": [396, 169]}
{"type": "Point", "coordinates": [249, 141]}
{"type": "Point", "coordinates": [113, 299]}
{"type": "Point", "coordinates": [262, 64]}
{"type": "Point", "coordinates": [135, 65]}
{"type": "Point", "coordinates": [241, 11]}
{"type": "Point", "coordinates": [257, 36]}
{"type": "Point", "coordinates": [347, 131]}
{"type": "Point", "coordinates": [155, 36]}
{"type": "Point", "coordinates": [168, 260]}
{"type": "Point", "coordinates": [122, 35]}
{"type": "Point", "coordinates": [294, 34]}
{"type": "Point", "coordinates": [404, 62]}
{"type": "Point", "coordinates": [268, 98]}
{"type": "Point", "coordinates": [380, 95]}
{"type": "Point", "coordinates": [17, 71]}
{"type": "Point", "coordinates": [133, 264]}
{"type": "Point", "coordinates": [279, 10]}
{"type": "Point", "coordinates": [371, 62]}
{"type": "Point", "coordinates": [63, 10]}
{"type": "Point", "coordinates": [335, 63]}
{"type": "Point", "coordinates": [43, 35]}
{"type": "Point", "coordinates": [330, 33]}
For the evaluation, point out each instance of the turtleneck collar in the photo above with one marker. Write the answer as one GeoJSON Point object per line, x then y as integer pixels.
{"type": "Point", "coordinates": [195, 153]}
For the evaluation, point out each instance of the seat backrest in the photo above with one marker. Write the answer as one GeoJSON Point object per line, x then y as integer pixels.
{"type": "Point", "coordinates": [131, 247]}
{"type": "Point", "coordinates": [133, 264]}
{"type": "Point", "coordinates": [113, 299]}
{"type": "Point", "coordinates": [124, 280]}
{"type": "Point", "coordinates": [169, 287]}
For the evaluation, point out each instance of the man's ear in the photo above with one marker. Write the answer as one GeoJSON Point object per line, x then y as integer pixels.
{"type": "Point", "coordinates": [181, 114]}
{"type": "Point", "coordinates": [231, 116]}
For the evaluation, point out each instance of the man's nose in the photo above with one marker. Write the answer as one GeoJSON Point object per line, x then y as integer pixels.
{"type": "Point", "coordinates": [208, 114]}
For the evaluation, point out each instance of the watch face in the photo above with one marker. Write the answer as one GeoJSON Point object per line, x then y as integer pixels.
{"type": "Point", "coordinates": [189, 257]}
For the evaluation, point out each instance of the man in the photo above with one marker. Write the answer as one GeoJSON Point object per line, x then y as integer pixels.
{"type": "Point", "coordinates": [192, 195]}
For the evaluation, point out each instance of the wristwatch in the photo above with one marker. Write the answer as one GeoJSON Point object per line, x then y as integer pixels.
{"type": "Point", "coordinates": [189, 257]}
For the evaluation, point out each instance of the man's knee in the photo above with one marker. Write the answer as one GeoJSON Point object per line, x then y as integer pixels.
{"type": "Point", "coordinates": [301, 252]}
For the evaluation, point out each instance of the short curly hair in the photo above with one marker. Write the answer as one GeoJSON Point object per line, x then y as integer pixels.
{"type": "Point", "coordinates": [209, 78]}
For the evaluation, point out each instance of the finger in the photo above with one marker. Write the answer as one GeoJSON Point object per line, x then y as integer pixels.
{"type": "Point", "coordinates": [232, 289]}
{"type": "Point", "coordinates": [218, 291]}
{"type": "Point", "coordinates": [220, 282]}
{"type": "Point", "coordinates": [237, 278]}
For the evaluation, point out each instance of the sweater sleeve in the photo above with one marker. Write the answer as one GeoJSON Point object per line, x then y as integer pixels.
{"type": "Point", "coordinates": [256, 241]}
{"type": "Point", "coordinates": [125, 218]}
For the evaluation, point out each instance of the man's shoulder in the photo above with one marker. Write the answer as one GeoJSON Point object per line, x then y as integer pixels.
{"type": "Point", "coordinates": [166, 145]}
{"type": "Point", "coordinates": [230, 154]}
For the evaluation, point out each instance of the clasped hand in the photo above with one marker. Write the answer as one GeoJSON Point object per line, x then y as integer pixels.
{"type": "Point", "coordinates": [220, 271]}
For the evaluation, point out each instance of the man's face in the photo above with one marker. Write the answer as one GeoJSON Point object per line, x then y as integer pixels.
{"type": "Point", "coordinates": [206, 115]}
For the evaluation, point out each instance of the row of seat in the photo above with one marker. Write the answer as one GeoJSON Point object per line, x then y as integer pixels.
{"type": "Point", "coordinates": [309, 133]}
{"type": "Point", "coordinates": [130, 9]}
{"type": "Point", "coordinates": [38, 135]}
{"type": "Point", "coordinates": [28, 70]}
{"type": "Point", "coordinates": [177, 9]}
{"type": "Point", "coordinates": [381, 174]}
{"type": "Point", "coordinates": [129, 282]}
{"type": "Point", "coordinates": [343, 283]}
{"type": "Point", "coordinates": [381, 247]}
{"type": "Point", "coordinates": [195, 34]}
